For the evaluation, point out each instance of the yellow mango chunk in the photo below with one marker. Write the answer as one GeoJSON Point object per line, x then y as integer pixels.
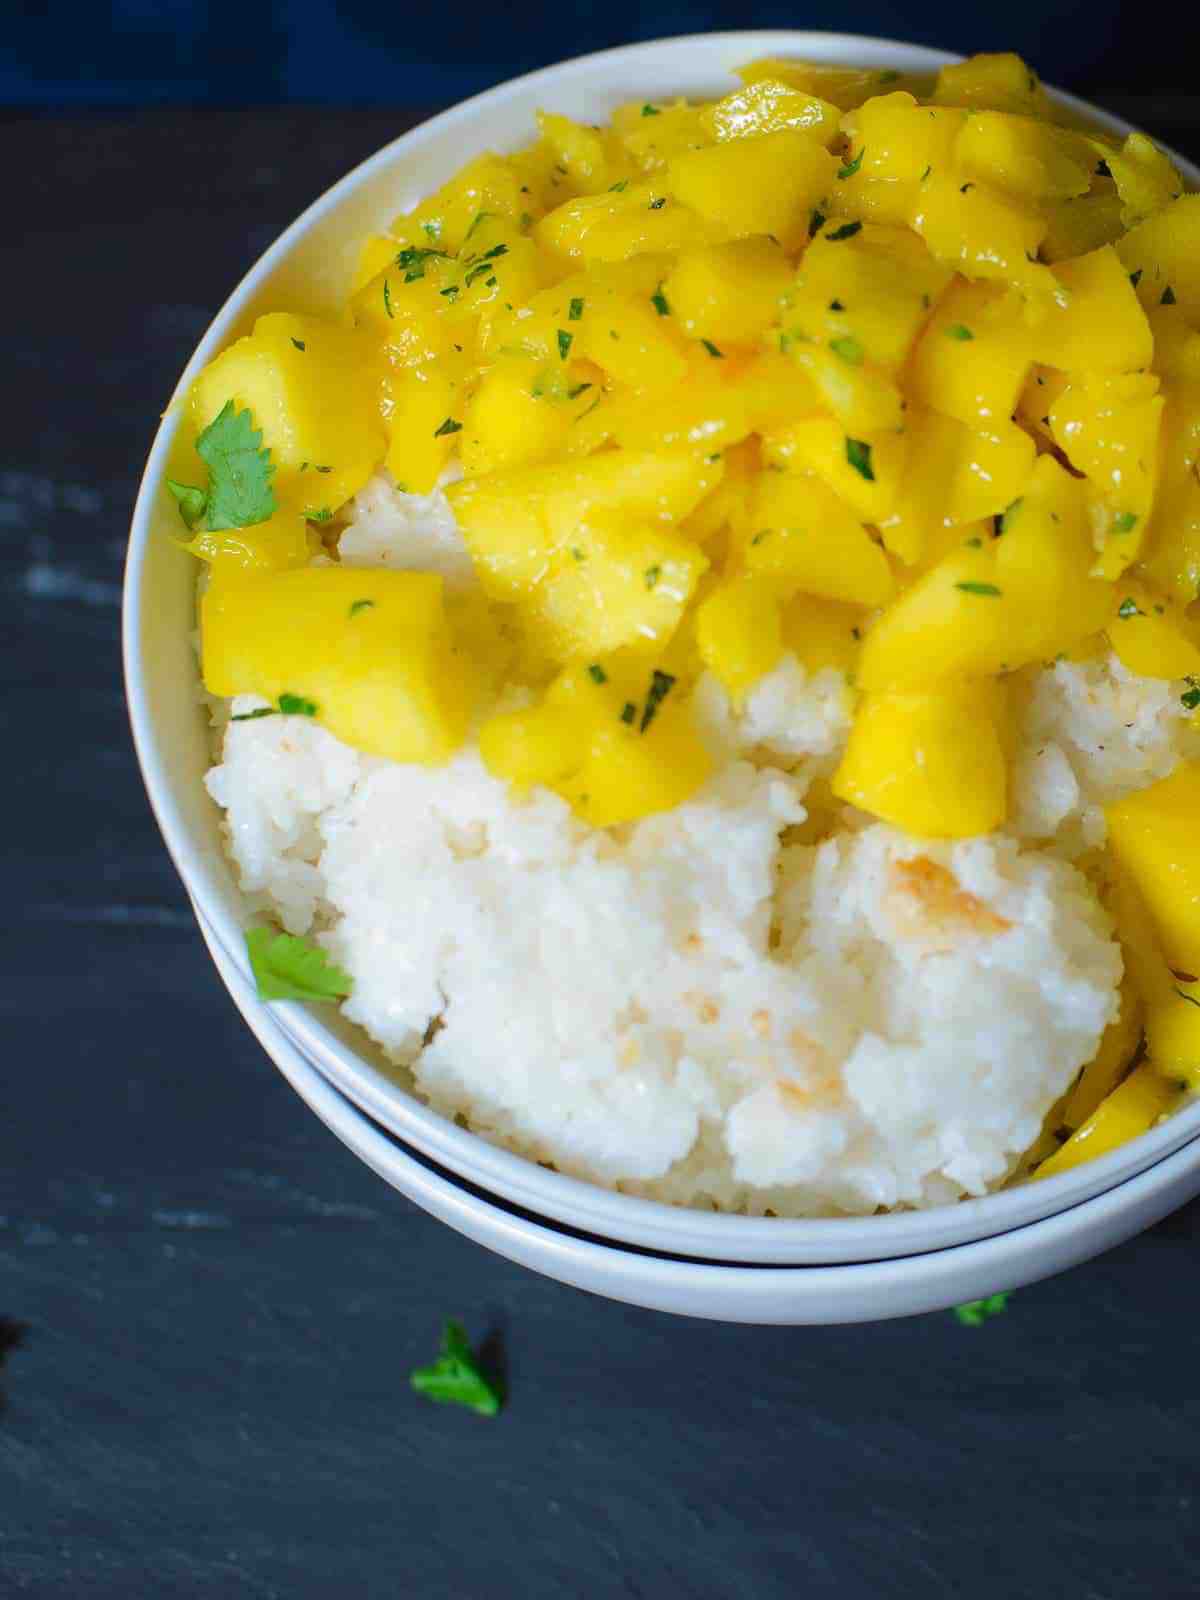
{"type": "Point", "coordinates": [1118, 1046]}
{"type": "Point", "coordinates": [1042, 388]}
{"type": "Point", "coordinates": [1173, 1032]}
{"type": "Point", "coordinates": [378, 251]}
{"type": "Point", "coordinates": [513, 522]}
{"type": "Point", "coordinates": [899, 141]}
{"type": "Point", "coordinates": [1132, 1108]}
{"type": "Point", "coordinates": [630, 220]}
{"type": "Point", "coordinates": [489, 184]}
{"type": "Point", "coordinates": [310, 386]}
{"type": "Point", "coordinates": [652, 132]}
{"type": "Point", "coordinates": [516, 416]}
{"type": "Point", "coordinates": [865, 473]}
{"type": "Point", "coordinates": [807, 537]}
{"type": "Point", "coordinates": [1176, 344]}
{"type": "Point", "coordinates": [1164, 251]}
{"type": "Point", "coordinates": [919, 522]}
{"type": "Point", "coordinates": [866, 400]}
{"type": "Point", "coordinates": [1152, 837]}
{"type": "Point", "coordinates": [992, 470]}
{"type": "Point", "coordinates": [992, 82]}
{"type": "Point", "coordinates": [1100, 325]}
{"type": "Point", "coordinates": [404, 309]}
{"type": "Point", "coordinates": [1080, 226]}
{"type": "Point", "coordinates": [996, 604]}
{"type": "Point", "coordinates": [581, 151]}
{"type": "Point", "coordinates": [1151, 636]}
{"type": "Point", "coordinates": [539, 743]}
{"type": "Point", "coordinates": [369, 648]}
{"type": "Point", "coordinates": [979, 230]}
{"type": "Point", "coordinates": [617, 584]}
{"type": "Point", "coordinates": [866, 296]}
{"type": "Point", "coordinates": [423, 409]}
{"type": "Point", "coordinates": [908, 761]}
{"type": "Point", "coordinates": [1146, 180]}
{"type": "Point", "coordinates": [764, 185]}
{"type": "Point", "coordinates": [1108, 427]}
{"type": "Point", "coordinates": [739, 632]}
{"type": "Point", "coordinates": [727, 292]}
{"type": "Point", "coordinates": [846, 87]}
{"type": "Point", "coordinates": [1027, 158]}
{"type": "Point", "coordinates": [823, 634]}
{"type": "Point", "coordinates": [1172, 559]}
{"type": "Point", "coordinates": [283, 541]}
{"type": "Point", "coordinates": [973, 357]}
{"type": "Point", "coordinates": [767, 106]}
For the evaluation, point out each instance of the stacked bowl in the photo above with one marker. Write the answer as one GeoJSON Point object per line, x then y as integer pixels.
{"type": "Point", "coordinates": [733, 1268]}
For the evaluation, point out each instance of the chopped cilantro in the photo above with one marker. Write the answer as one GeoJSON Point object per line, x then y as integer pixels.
{"type": "Point", "coordinates": [717, 355]}
{"type": "Point", "coordinates": [456, 1377]}
{"type": "Point", "coordinates": [300, 344]}
{"type": "Point", "coordinates": [858, 454]}
{"type": "Point", "coordinates": [482, 217]}
{"type": "Point", "coordinates": [846, 231]}
{"type": "Point", "coordinates": [295, 705]}
{"type": "Point", "coordinates": [965, 188]}
{"type": "Point", "coordinates": [1190, 698]}
{"type": "Point", "coordinates": [239, 492]}
{"type": "Point", "coordinates": [816, 222]}
{"type": "Point", "coordinates": [926, 173]}
{"type": "Point", "coordinates": [451, 293]}
{"type": "Point", "coordinates": [1135, 277]}
{"type": "Point", "coordinates": [976, 1312]}
{"type": "Point", "coordinates": [287, 968]}
{"type": "Point", "coordinates": [1167, 298]}
{"type": "Point", "coordinates": [1124, 522]}
{"type": "Point", "coordinates": [619, 188]}
{"type": "Point", "coordinates": [628, 712]}
{"type": "Point", "coordinates": [650, 111]}
{"type": "Point", "coordinates": [577, 389]}
{"type": "Point", "coordinates": [760, 535]}
{"type": "Point", "coordinates": [361, 605]}
{"type": "Point", "coordinates": [1129, 608]}
{"type": "Point", "coordinates": [564, 344]}
{"type": "Point", "coordinates": [849, 168]}
{"type": "Point", "coordinates": [661, 684]}
{"type": "Point", "coordinates": [387, 298]}
{"type": "Point", "coordinates": [448, 426]}
{"type": "Point", "coordinates": [849, 349]}
{"type": "Point", "coordinates": [659, 301]}
{"type": "Point", "coordinates": [597, 673]}
{"type": "Point", "coordinates": [575, 310]}
{"type": "Point", "coordinates": [413, 259]}
{"type": "Point", "coordinates": [578, 553]}
{"type": "Point", "coordinates": [958, 330]}
{"type": "Point", "coordinates": [652, 575]}
{"type": "Point", "coordinates": [432, 230]}
{"type": "Point", "coordinates": [322, 514]}
{"type": "Point", "coordinates": [253, 716]}
{"type": "Point", "coordinates": [659, 203]}
{"type": "Point", "coordinates": [988, 589]}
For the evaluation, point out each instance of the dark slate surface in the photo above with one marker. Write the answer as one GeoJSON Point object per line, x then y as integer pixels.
{"type": "Point", "coordinates": [220, 1305]}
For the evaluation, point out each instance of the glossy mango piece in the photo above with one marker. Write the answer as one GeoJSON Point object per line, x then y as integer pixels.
{"type": "Point", "coordinates": [1152, 837]}
{"type": "Point", "coordinates": [974, 355]}
{"type": "Point", "coordinates": [1131, 1109]}
{"type": "Point", "coordinates": [739, 632]}
{"type": "Point", "coordinates": [805, 536]}
{"type": "Point", "coordinates": [765, 185]}
{"type": "Point", "coordinates": [1100, 325]}
{"type": "Point", "coordinates": [1151, 635]}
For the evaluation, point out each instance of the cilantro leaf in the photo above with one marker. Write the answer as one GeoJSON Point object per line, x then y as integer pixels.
{"type": "Point", "coordinates": [849, 349]}
{"type": "Point", "coordinates": [846, 231]}
{"type": "Point", "coordinates": [1128, 608]}
{"type": "Point", "coordinates": [287, 968]}
{"type": "Point", "coordinates": [959, 331]}
{"type": "Point", "coordinates": [717, 355]}
{"type": "Point", "coordinates": [564, 344]}
{"type": "Point", "coordinates": [661, 684]}
{"type": "Point", "coordinates": [456, 1378]}
{"type": "Point", "coordinates": [659, 301]}
{"type": "Point", "coordinates": [192, 502]}
{"type": "Point", "coordinates": [851, 167]}
{"type": "Point", "coordinates": [1124, 522]}
{"type": "Point", "coordinates": [239, 473]}
{"type": "Point", "coordinates": [858, 454]}
{"type": "Point", "coordinates": [976, 1312]}
{"type": "Point", "coordinates": [988, 589]}
{"type": "Point", "coordinates": [1190, 698]}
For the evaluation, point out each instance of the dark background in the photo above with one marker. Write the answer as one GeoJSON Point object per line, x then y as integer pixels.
{"type": "Point", "coordinates": [219, 1305]}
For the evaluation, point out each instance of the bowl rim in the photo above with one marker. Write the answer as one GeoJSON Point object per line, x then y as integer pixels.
{"type": "Point", "coordinates": [572, 1200]}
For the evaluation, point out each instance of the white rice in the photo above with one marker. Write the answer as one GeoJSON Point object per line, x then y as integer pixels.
{"type": "Point", "coordinates": [695, 1007]}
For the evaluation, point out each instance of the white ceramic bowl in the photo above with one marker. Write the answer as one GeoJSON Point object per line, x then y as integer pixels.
{"type": "Point", "coordinates": [308, 269]}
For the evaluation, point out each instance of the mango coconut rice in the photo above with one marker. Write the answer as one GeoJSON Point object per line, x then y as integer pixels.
{"type": "Point", "coordinates": [703, 653]}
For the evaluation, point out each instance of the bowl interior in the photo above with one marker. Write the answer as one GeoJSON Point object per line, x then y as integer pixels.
{"type": "Point", "coordinates": [308, 269]}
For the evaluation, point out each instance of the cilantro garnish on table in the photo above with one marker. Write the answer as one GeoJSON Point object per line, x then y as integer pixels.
{"type": "Point", "coordinates": [974, 1313]}
{"type": "Point", "coordinates": [238, 493]}
{"type": "Point", "coordinates": [288, 968]}
{"type": "Point", "coordinates": [456, 1378]}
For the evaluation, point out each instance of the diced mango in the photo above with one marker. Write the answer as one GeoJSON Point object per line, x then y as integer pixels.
{"type": "Point", "coordinates": [823, 634]}
{"type": "Point", "coordinates": [900, 141]}
{"type": "Point", "coordinates": [805, 536]}
{"type": "Point", "coordinates": [630, 220]}
{"type": "Point", "coordinates": [973, 357]}
{"type": "Point", "coordinates": [993, 468]}
{"type": "Point", "coordinates": [1118, 1046]}
{"type": "Point", "coordinates": [379, 250]}
{"type": "Point", "coordinates": [1164, 252]}
{"type": "Point", "coordinates": [1173, 1033]}
{"type": "Point", "coordinates": [846, 87]}
{"type": "Point", "coordinates": [513, 418]}
{"type": "Point", "coordinates": [865, 473]}
{"type": "Point", "coordinates": [739, 632]}
{"type": "Point", "coordinates": [1152, 836]}
{"type": "Point", "coordinates": [1027, 158]}
{"type": "Point", "coordinates": [617, 584]}
{"type": "Point", "coordinates": [767, 106]}
{"type": "Point", "coordinates": [727, 292]}
{"type": "Point", "coordinates": [1146, 180]}
{"type": "Point", "coordinates": [1108, 427]}
{"type": "Point", "coordinates": [1172, 554]}
{"type": "Point", "coordinates": [489, 184]}
{"type": "Point", "coordinates": [979, 230]}
{"type": "Point", "coordinates": [1080, 226]}
{"type": "Point", "coordinates": [370, 648]}
{"type": "Point", "coordinates": [1132, 1108]}
{"type": "Point", "coordinates": [764, 185]}
{"type": "Point", "coordinates": [423, 410]}
{"type": "Point", "coordinates": [1151, 636]}
{"type": "Point", "coordinates": [652, 132]}
{"type": "Point", "coordinates": [310, 386]}
{"type": "Point", "coordinates": [1099, 326]}
{"type": "Point", "coordinates": [919, 521]}
{"type": "Point", "coordinates": [992, 82]}
{"type": "Point", "coordinates": [908, 762]}
{"type": "Point", "coordinates": [403, 308]}
{"type": "Point", "coordinates": [581, 151]}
